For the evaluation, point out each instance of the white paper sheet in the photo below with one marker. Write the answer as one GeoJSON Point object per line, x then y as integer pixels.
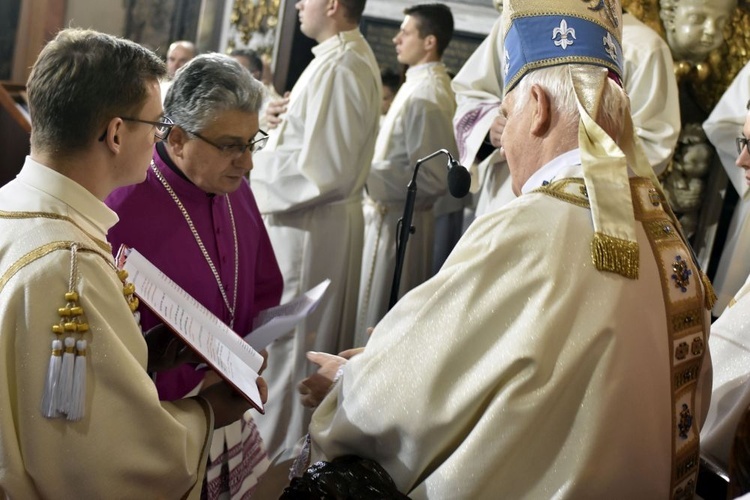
{"type": "Point", "coordinates": [276, 321]}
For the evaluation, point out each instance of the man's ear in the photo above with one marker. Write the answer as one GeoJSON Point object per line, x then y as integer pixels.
{"type": "Point", "coordinates": [430, 43]}
{"type": "Point", "coordinates": [176, 141]}
{"type": "Point", "coordinates": [113, 134]}
{"type": "Point", "coordinates": [541, 116]}
{"type": "Point", "coordinates": [332, 7]}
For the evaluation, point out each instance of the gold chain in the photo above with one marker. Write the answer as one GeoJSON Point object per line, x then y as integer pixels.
{"type": "Point", "coordinates": [198, 240]}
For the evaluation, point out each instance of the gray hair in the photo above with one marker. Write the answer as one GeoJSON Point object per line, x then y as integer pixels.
{"type": "Point", "coordinates": [555, 80]}
{"type": "Point", "coordinates": [208, 85]}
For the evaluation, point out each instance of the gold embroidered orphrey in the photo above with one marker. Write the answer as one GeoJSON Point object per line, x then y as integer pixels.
{"type": "Point", "coordinates": [686, 326]}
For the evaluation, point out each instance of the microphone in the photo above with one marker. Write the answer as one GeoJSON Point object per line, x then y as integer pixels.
{"type": "Point", "coordinates": [459, 179]}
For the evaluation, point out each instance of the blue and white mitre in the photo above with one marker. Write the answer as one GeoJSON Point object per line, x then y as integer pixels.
{"type": "Point", "coordinates": [546, 33]}
{"type": "Point", "coordinates": [585, 36]}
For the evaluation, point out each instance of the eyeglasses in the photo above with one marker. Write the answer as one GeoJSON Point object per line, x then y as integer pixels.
{"type": "Point", "coordinates": [161, 127]}
{"type": "Point", "coordinates": [237, 150]}
{"type": "Point", "coordinates": [741, 144]}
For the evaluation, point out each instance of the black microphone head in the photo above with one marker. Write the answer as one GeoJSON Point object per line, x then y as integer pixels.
{"type": "Point", "coordinates": [459, 180]}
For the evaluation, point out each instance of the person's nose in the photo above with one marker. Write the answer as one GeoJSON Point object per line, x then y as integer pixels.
{"type": "Point", "coordinates": [245, 160]}
{"type": "Point", "coordinates": [743, 160]}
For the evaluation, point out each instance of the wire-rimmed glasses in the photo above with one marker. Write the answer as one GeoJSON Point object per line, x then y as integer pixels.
{"type": "Point", "coordinates": [237, 150]}
{"type": "Point", "coordinates": [162, 127]}
{"type": "Point", "coordinates": [741, 144]}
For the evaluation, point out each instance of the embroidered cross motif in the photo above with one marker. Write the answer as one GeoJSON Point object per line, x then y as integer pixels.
{"type": "Point", "coordinates": [686, 421]}
{"type": "Point", "coordinates": [682, 351]}
{"type": "Point", "coordinates": [697, 346]}
{"type": "Point", "coordinates": [506, 68]}
{"type": "Point", "coordinates": [681, 275]}
{"type": "Point", "coordinates": [563, 31]}
{"type": "Point", "coordinates": [654, 197]}
{"type": "Point", "coordinates": [609, 46]}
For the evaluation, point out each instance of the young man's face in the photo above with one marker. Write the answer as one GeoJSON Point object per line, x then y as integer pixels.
{"type": "Point", "coordinates": [410, 47]}
{"type": "Point", "coordinates": [138, 138]}
{"type": "Point", "coordinates": [743, 160]}
{"type": "Point", "coordinates": [313, 18]}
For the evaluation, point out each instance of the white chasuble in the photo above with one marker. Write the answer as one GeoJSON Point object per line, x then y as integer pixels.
{"type": "Point", "coordinates": [521, 371]}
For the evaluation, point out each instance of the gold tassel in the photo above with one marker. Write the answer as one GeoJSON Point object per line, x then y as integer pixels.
{"type": "Point", "coordinates": [708, 291]}
{"type": "Point", "coordinates": [65, 385]}
{"type": "Point", "coordinates": [615, 255]}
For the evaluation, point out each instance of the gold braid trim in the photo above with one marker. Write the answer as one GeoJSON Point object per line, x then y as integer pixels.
{"type": "Point", "coordinates": [570, 190]}
{"type": "Point", "coordinates": [615, 255]}
{"type": "Point", "coordinates": [52, 216]}
{"type": "Point", "coordinates": [38, 253]}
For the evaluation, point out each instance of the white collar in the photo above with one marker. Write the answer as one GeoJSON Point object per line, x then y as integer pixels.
{"type": "Point", "coordinates": [422, 68]}
{"type": "Point", "coordinates": [85, 208]}
{"type": "Point", "coordinates": [565, 165]}
{"type": "Point", "coordinates": [340, 38]}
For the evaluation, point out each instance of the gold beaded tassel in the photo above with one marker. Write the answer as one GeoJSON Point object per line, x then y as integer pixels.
{"type": "Point", "coordinates": [65, 388]}
{"type": "Point", "coordinates": [128, 290]}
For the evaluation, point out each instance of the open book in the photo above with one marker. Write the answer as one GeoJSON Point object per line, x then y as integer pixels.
{"type": "Point", "coordinates": [234, 359]}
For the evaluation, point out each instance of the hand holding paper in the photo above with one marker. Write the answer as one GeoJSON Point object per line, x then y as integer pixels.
{"type": "Point", "coordinates": [276, 321]}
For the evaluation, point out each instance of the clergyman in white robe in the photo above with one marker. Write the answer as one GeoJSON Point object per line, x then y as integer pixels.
{"type": "Point", "coordinates": [418, 123]}
{"type": "Point", "coordinates": [308, 182]}
{"type": "Point", "coordinates": [128, 444]}
{"type": "Point", "coordinates": [730, 396]}
{"type": "Point", "coordinates": [510, 374]}
{"type": "Point", "coordinates": [722, 127]}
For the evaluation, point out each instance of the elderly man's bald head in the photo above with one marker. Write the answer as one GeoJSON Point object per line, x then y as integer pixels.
{"type": "Point", "coordinates": [178, 54]}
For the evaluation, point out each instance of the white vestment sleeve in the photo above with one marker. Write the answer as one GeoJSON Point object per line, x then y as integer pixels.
{"type": "Point", "coordinates": [425, 130]}
{"type": "Point", "coordinates": [321, 166]}
{"type": "Point", "coordinates": [478, 87]}
{"type": "Point", "coordinates": [652, 87]}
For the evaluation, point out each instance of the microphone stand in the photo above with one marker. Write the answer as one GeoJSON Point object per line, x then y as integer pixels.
{"type": "Point", "coordinates": [404, 227]}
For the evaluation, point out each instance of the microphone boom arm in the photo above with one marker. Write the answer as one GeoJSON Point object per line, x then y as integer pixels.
{"type": "Point", "coordinates": [404, 227]}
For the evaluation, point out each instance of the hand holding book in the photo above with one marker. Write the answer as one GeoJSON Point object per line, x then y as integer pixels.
{"type": "Point", "coordinates": [235, 359]}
